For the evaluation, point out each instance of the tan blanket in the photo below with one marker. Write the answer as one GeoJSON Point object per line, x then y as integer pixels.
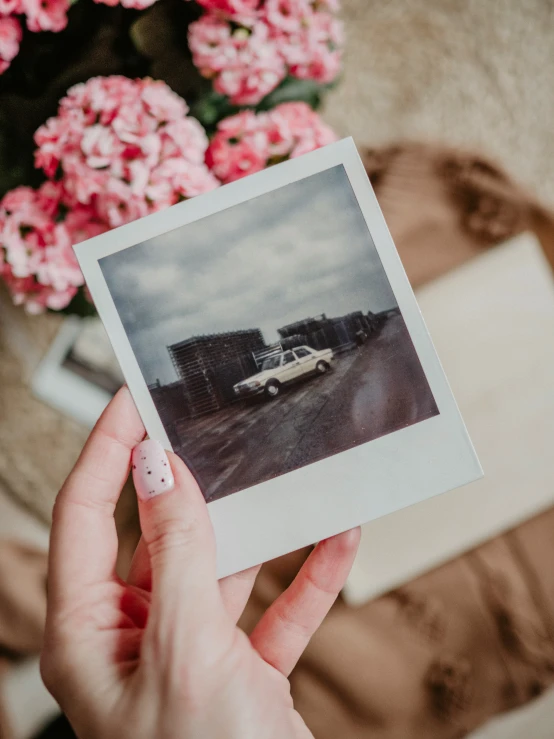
{"type": "Point", "coordinates": [475, 637]}
{"type": "Point", "coordinates": [22, 606]}
{"type": "Point", "coordinates": [437, 657]}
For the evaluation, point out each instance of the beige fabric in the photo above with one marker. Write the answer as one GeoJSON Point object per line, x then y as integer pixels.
{"type": "Point", "coordinates": [22, 607]}
{"type": "Point", "coordinates": [445, 206]}
{"type": "Point", "coordinates": [471, 73]}
{"type": "Point", "coordinates": [23, 601]}
{"type": "Point", "coordinates": [438, 657]}
{"type": "Point", "coordinates": [38, 446]}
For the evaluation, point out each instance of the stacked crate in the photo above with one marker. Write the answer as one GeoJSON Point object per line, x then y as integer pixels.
{"type": "Point", "coordinates": [209, 364]}
{"type": "Point", "coordinates": [321, 332]}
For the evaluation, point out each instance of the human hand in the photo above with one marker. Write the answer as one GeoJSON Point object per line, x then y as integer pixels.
{"type": "Point", "coordinates": [160, 656]}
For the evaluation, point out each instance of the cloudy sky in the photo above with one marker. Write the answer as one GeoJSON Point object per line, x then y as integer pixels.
{"type": "Point", "coordinates": [296, 252]}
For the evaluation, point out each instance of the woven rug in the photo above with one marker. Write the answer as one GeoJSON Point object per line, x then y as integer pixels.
{"type": "Point", "coordinates": [471, 74]}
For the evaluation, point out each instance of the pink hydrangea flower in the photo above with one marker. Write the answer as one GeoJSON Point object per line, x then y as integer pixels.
{"type": "Point", "coordinates": [10, 7]}
{"type": "Point", "coordinates": [47, 198]}
{"type": "Point", "coordinates": [249, 142]}
{"type": "Point", "coordinates": [244, 63]}
{"type": "Point", "coordinates": [162, 103]}
{"type": "Point", "coordinates": [10, 38]}
{"type": "Point", "coordinates": [175, 180]}
{"type": "Point", "coordinates": [36, 257]}
{"type": "Point", "coordinates": [185, 138]}
{"type": "Point", "coordinates": [211, 43]}
{"type": "Point", "coordinates": [82, 223]}
{"type": "Point", "coordinates": [248, 57]}
{"type": "Point", "coordinates": [233, 8]}
{"type": "Point", "coordinates": [22, 198]}
{"type": "Point", "coordinates": [45, 15]}
{"type": "Point", "coordinates": [287, 15]}
{"type": "Point", "coordinates": [315, 50]}
{"type": "Point", "coordinates": [125, 147]}
{"type": "Point", "coordinates": [239, 149]}
{"type": "Point", "coordinates": [136, 4]}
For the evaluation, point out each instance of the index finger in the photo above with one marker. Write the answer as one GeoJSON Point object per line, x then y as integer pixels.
{"type": "Point", "coordinates": [83, 542]}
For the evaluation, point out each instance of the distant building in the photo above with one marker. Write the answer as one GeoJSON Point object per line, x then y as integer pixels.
{"type": "Point", "coordinates": [321, 332]}
{"type": "Point", "coordinates": [210, 365]}
{"type": "Point", "coordinates": [384, 315]}
{"type": "Point", "coordinates": [303, 327]}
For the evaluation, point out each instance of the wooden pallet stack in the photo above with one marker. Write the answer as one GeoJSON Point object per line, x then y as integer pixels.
{"type": "Point", "coordinates": [201, 362]}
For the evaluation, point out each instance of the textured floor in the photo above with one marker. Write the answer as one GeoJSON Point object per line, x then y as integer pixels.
{"type": "Point", "coordinates": [466, 72]}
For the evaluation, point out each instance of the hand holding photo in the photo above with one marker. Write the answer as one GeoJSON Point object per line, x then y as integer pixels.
{"type": "Point", "coordinates": [270, 338]}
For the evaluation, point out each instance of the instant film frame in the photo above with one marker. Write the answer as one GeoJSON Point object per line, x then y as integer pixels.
{"type": "Point", "coordinates": [350, 487]}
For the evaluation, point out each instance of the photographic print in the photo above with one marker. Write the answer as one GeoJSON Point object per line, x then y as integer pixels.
{"type": "Point", "coordinates": [79, 374]}
{"type": "Point", "coordinates": [91, 356]}
{"type": "Point", "coordinates": [269, 335]}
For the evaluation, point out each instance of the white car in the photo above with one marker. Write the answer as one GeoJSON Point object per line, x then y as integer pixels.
{"type": "Point", "coordinates": [285, 367]}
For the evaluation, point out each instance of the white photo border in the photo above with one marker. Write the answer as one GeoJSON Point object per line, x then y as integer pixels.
{"type": "Point", "coordinates": [346, 489]}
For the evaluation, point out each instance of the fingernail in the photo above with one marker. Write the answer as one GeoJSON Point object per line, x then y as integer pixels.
{"type": "Point", "coordinates": [152, 473]}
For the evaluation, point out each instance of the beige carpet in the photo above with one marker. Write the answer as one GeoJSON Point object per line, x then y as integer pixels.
{"type": "Point", "coordinates": [477, 73]}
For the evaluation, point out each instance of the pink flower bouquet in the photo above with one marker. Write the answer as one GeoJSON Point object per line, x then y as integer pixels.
{"type": "Point", "coordinates": [36, 259]}
{"type": "Point", "coordinates": [248, 142]}
{"type": "Point", "coordinates": [121, 147]}
{"type": "Point", "coordinates": [247, 48]}
{"type": "Point", "coordinates": [10, 38]}
{"type": "Point", "coordinates": [125, 147]}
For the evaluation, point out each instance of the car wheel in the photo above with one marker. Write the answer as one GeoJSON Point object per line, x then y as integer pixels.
{"type": "Point", "coordinates": [272, 389]}
{"type": "Point", "coordinates": [322, 367]}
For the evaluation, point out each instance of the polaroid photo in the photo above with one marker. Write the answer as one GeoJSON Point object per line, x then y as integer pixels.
{"type": "Point", "coordinates": [270, 337]}
{"type": "Point", "coordinates": [79, 373]}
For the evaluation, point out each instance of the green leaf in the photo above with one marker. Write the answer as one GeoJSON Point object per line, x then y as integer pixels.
{"type": "Point", "coordinates": [79, 306]}
{"type": "Point", "coordinates": [211, 108]}
{"type": "Point", "coordinates": [294, 90]}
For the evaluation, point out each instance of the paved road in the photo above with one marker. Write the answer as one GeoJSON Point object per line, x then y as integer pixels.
{"type": "Point", "coordinates": [372, 391]}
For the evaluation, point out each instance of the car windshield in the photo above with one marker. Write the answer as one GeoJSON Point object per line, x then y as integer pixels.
{"type": "Point", "coordinates": [271, 362]}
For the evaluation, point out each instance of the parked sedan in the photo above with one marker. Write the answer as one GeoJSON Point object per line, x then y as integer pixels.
{"type": "Point", "coordinates": [284, 367]}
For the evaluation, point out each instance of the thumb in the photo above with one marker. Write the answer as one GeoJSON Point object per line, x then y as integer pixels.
{"type": "Point", "coordinates": [179, 538]}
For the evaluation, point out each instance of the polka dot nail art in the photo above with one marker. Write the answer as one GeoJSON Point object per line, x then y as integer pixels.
{"type": "Point", "coordinates": [151, 470]}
